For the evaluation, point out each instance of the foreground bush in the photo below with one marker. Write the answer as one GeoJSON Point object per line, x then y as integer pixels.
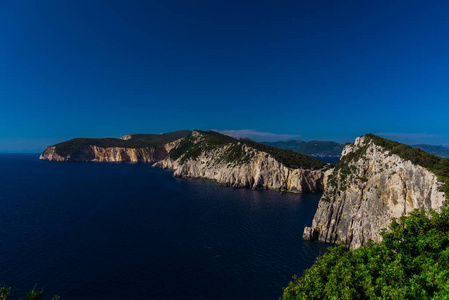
{"type": "Point", "coordinates": [5, 294]}
{"type": "Point", "coordinates": [412, 262]}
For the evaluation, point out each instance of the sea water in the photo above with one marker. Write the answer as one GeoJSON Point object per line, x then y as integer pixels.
{"type": "Point", "coordinates": [130, 231]}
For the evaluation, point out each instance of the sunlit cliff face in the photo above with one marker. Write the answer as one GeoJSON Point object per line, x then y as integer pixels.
{"type": "Point", "coordinates": [361, 198]}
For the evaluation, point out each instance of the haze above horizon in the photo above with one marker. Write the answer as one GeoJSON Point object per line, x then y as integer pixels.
{"type": "Point", "coordinates": [312, 70]}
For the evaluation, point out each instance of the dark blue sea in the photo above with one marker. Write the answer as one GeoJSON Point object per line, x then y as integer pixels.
{"type": "Point", "coordinates": [129, 231]}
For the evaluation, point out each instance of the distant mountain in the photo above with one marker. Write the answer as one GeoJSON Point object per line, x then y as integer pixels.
{"type": "Point", "coordinates": [288, 145]}
{"type": "Point", "coordinates": [437, 150]}
{"type": "Point", "coordinates": [312, 148]}
{"type": "Point", "coordinates": [320, 148]}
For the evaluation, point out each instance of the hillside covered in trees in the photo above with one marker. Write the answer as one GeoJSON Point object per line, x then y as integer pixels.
{"type": "Point", "coordinates": [311, 148]}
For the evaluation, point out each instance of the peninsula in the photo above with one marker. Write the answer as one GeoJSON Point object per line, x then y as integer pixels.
{"type": "Point", "coordinates": [243, 163]}
{"type": "Point", "coordinates": [128, 148]}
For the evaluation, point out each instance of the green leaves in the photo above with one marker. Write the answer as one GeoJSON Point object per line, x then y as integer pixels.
{"type": "Point", "coordinates": [412, 262]}
{"type": "Point", "coordinates": [33, 295]}
{"type": "Point", "coordinates": [5, 294]}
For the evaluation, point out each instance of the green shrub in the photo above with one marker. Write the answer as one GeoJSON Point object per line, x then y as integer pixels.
{"type": "Point", "coordinates": [5, 294]}
{"type": "Point", "coordinates": [412, 262]}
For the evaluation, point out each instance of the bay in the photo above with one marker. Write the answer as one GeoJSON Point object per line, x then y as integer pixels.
{"type": "Point", "coordinates": [129, 231]}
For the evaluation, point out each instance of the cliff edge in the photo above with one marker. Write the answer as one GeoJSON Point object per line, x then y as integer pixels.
{"type": "Point", "coordinates": [376, 180]}
{"type": "Point", "coordinates": [243, 163]}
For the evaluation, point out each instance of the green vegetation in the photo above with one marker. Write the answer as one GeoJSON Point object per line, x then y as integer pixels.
{"type": "Point", "coordinates": [287, 145]}
{"type": "Point", "coordinates": [312, 148]}
{"type": "Point", "coordinates": [211, 140]}
{"type": "Point", "coordinates": [237, 154]}
{"type": "Point", "coordinates": [71, 147]}
{"type": "Point", "coordinates": [320, 148]}
{"type": "Point", "coordinates": [288, 158]}
{"type": "Point", "coordinates": [5, 294]}
{"type": "Point", "coordinates": [437, 165]}
{"type": "Point", "coordinates": [412, 262]}
{"type": "Point", "coordinates": [325, 199]}
{"type": "Point", "coordinates": [343, 169]}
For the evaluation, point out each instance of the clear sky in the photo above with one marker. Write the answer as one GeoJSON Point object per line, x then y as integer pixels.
{"type": "Point", "coordinates": [323, 70]}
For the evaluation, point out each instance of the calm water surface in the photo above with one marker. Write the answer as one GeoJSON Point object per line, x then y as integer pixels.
{"type": "Point", "coordinates": [129, 231]}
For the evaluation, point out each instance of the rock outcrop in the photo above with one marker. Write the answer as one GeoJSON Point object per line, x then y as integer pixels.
{"type": "Point", "coordinates": [367, 188]}
{"type": "Point", "coordinates": [250, 168]}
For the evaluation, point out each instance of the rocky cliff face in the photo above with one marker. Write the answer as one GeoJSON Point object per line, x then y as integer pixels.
{"type": "Point", "coordinates": [366, 190]}
{"type": "Point", "coordinates": [111, 154]}
{"type": "Point", "coordinates": [255, 169]}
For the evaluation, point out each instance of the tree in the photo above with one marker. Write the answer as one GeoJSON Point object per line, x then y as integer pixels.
{"type": "Point", "coordinates": [412, 262]}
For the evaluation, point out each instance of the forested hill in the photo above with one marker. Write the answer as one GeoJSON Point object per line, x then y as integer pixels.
{"type": "Point", "coordinates": [433, 149]}
{"type": "Point", "coordinates": [128, 141]}
{"type": "Point", "coordinates": [288, 145]}
{"type": "Point", "coordinates": [192, 146]}
{"type": "Point", "coordinates": [129, 148]}
{"type": "Point", "coordinates": [311, 148]}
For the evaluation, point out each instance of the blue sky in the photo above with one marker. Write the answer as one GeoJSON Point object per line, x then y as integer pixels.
{"type": "Point", "coordinates": [315, 70]}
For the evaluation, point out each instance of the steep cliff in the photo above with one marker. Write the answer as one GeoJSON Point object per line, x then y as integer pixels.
{"type": "Point", "coordinates": [129, 148]}
{"type": "Point", "coordinates": [376, 180]}
{"type": "Point", "coordinates": [109, 154]}
{"type": "Point", "coordinates": [243, 163]}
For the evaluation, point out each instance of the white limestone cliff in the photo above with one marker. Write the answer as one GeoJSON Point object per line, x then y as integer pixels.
{"type": "Point", "coordinates": [259, 171]}
{"type": "Point", "coordinates": [112, 154]}
{"type": "Point", "coordinates": [374, 186]}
